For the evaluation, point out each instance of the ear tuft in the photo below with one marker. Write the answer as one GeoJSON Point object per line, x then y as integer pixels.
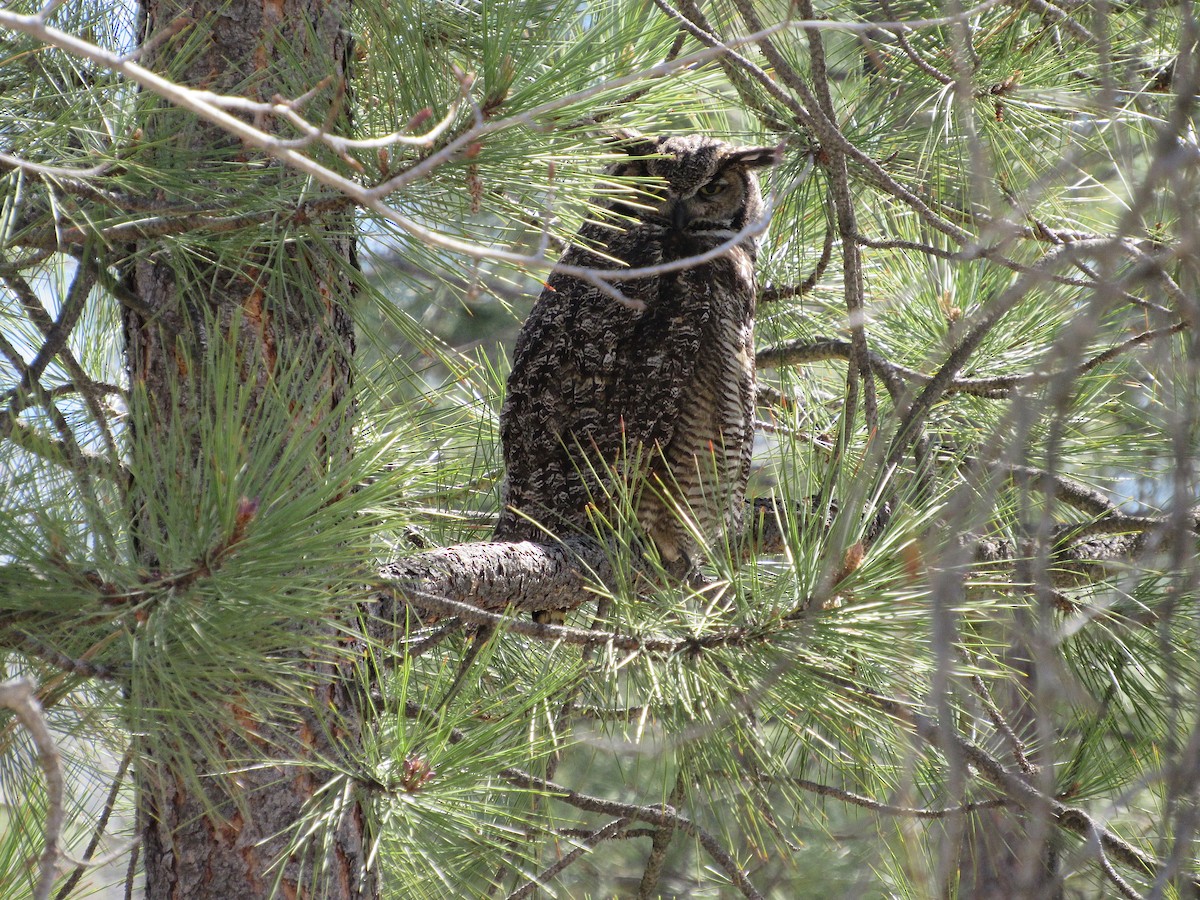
{"type": "Point", "coordinates": [756, 157]}
{"type": "Point", "coordinates": [633, 142]}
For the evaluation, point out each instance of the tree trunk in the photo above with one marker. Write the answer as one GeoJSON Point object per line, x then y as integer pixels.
{"type": "Point", "coordinates": [211, 825]}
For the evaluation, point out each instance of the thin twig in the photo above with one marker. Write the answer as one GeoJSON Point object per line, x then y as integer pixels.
{"type": "Point", "coordinates": [672, 52]}
{"type": "Point", "coordinates": [775, 293]}
{"type": "Point", "coordinates": [993, 254]}
{"type": "Point", "coordinates": [999, 386]}
{"type": "Point", "coordinates": [20, 695]}
{"type": "Point", "coordinates": [659, 844]}
{"type": "Point", "coordinates": [921, 63]}
{"type": "Point", "coordinates": [886, 809]}
{"type": "Point", "coordinates": [1002, 725]}
{"type": "Point", "coordinates": [1015, 786]}
{"type": "Point", "coordinates": [611, 830]}
{"type": "Point", "coordinates": [913, 418]}
{"type": "Point", "coordinates": [653, 815]}
{"type": "Point", "coordinates": [101, 824]}
{"type": "Point", "coordinates": [131, 871]}
{"type": "Point", "coordinates": [1059, 15]}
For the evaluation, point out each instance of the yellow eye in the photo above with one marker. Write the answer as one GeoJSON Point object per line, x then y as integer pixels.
{"type": "Point", "coordinates": [713, 188]}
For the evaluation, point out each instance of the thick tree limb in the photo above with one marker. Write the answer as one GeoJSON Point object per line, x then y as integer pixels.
{"type": "Point", "coordinates": [494, 576]}
{"type": "Point", "coordinates": [482, 583]}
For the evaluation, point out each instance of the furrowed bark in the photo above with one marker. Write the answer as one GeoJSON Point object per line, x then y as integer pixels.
{"type": "Point", "coordinates": [199, 841]}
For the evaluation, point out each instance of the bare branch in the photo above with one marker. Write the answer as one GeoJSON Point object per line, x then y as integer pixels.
{"type": "Point", "coordinates": [662, 816]}
{"type": "Point", "coordinates": [1002, 724]}
{"type": "Point", "coordinates": [1059, 15]}
{"type": "Point", "coordinates": [40, 170]}
{"type": "Point", "coordinates": [994, 254]}
{"type": "Point", "coordinates": [877, 806]}
{"type": "Point", "coordinates": [774, 293]}
{"type": "Point", "coordinates": [101, 824]}
{"type": "Point", "coordinates": [20, 695]}
{"type": "Point", "coordinates": [590, 841]}
{"type": "Point", "coordinates": [1000, 386]}
{"type": "Point", "coordinates": [1096, 838]}
{"type": "Point", "coordinates": [1014, 785]}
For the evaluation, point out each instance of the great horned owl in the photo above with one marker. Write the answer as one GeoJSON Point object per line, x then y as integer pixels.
{"type": "Point", "coordinates": [662, 394]}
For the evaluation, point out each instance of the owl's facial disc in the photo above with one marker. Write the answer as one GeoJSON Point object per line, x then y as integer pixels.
{"type": "Point", "coordinates": [692, 186]}
{"type": "Point", "coordinates": [712, 206]}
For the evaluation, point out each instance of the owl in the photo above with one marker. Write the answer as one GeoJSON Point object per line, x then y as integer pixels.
{"type": "Point", "coordinates": [658, 393]}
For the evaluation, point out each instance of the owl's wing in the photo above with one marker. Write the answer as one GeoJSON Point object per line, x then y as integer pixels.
{"type": "Point", "coordinates": [594, 385]}
{"type": "Point", "coordinates": [654, 360]}
{"type": "Point", "coordinates": [597, 385]}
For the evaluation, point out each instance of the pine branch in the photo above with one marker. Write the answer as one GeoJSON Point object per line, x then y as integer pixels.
{"type": "Point", "coordinates": [818, 102]}
{"type": "Point", "coordinates": [774, 293]}
{"type": "Point", "coordinates": [921, 63]}
{"type": "Point", "coordinates": [993, 254]}
{"type": "Point", "coordinates": [215, 108]}
{"type": "Point", "coordinates": [22, 402]}
{"type": "Point", "coordinates": [198, 221]}
{"type": "Point", "coordinates": [1057, 14]}
{"type": "Point", "coordinates": [1002, 725]}
{"type": "Point", "coordinates": [38, 649]}
{"type": "Point", "coordinates": [483, 583]}
{"type": "Point", "coordinates": [66, 450]}
{"type": "Point", "coordinates": [663, 816]}
{"type": "Point", "coordinates": [659, 844]}
{"type": "Point", "coordinates": [911, 426]}
{"type": "Point", "coordinates": [56, 335]}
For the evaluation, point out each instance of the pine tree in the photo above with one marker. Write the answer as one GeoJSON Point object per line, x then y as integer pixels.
{"type": "Point", "coordinates": [256, 641]}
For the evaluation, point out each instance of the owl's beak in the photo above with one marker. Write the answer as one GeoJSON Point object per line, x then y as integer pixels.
{"type": "Point", "coordinates": [679, 215]}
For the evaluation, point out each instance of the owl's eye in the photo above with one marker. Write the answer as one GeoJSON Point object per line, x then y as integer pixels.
{"type": "Point", "coordinates": [713, 188]}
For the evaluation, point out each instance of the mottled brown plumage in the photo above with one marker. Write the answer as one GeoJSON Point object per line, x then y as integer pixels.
{"type": "Point", "coordinates": [661, 397]}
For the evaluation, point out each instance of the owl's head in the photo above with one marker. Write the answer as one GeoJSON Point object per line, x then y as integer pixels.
{"type": "Point", "coordinates": [696, 185]}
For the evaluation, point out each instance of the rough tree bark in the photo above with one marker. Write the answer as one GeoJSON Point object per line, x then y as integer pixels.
{"type": "Point", "coordinates": [212, 846]}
